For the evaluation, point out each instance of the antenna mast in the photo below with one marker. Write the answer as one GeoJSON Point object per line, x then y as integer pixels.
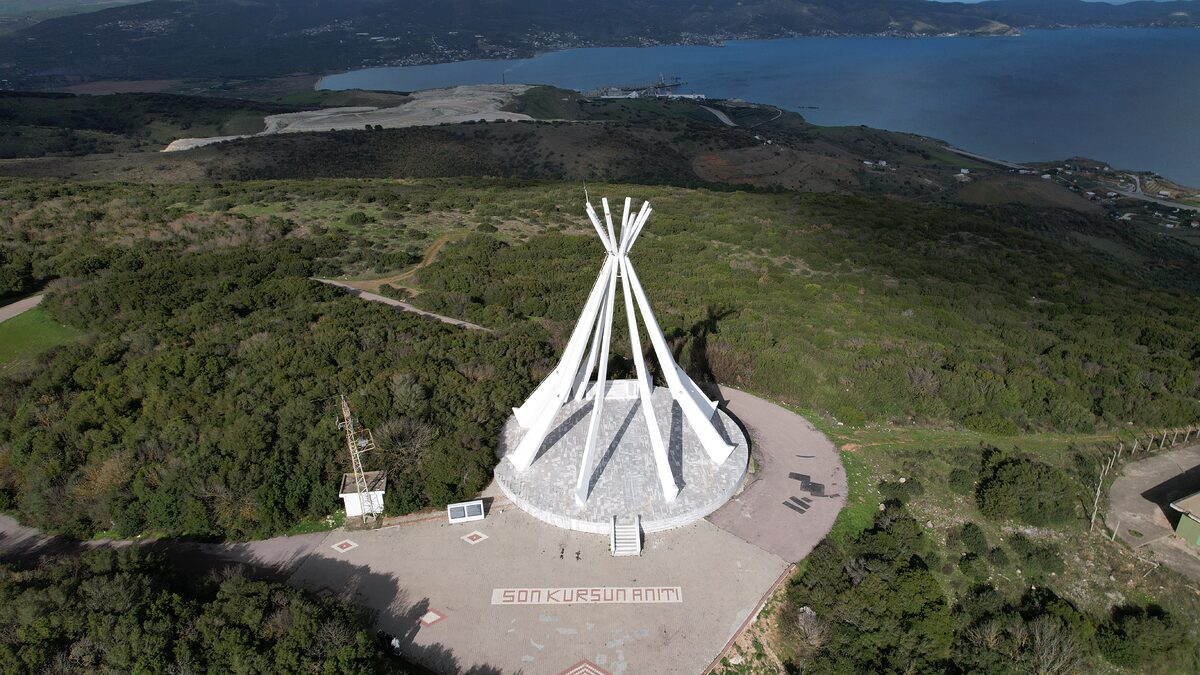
{"type": "Point", "coordinates": [358, 441]}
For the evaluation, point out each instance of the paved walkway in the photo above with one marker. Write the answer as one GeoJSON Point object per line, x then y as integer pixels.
{"type": "Point", "coordinates": [790, 503]}
{"type": "Point", "coordinates": [19, 307]}
{"type": "Point", "coordinates": [1139, 504]}
{"type": "Point", "coordinates": [704, 584]}
{"type": "Point", "coordinates": [404, 306]}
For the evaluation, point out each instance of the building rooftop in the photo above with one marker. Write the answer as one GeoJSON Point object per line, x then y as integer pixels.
{"type": "Point", "coordinates": [376, 482]}
{"type": "Point", "coordinates": [1189, 505]}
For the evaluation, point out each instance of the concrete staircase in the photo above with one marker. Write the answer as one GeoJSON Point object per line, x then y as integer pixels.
{"type": "Point", "coordinates": [626, 536]}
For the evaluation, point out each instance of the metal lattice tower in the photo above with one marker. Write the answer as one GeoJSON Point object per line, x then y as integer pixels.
{"type": "Point", "coordinates": [358, 442]}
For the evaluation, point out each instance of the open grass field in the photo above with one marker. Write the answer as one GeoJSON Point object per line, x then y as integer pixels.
{"type": "Point", "coordinates": [25, 336]}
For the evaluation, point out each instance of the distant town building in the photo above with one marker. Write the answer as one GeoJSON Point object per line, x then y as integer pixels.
{"type": "Point", "coordinates": [1188, 527]}
{"type": "Point", "coordinates": [1045, 176]}
{"type": "Point", "coordinates": [1164, 193]}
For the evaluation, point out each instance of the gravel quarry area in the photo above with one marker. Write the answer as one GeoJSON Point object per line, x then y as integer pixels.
{"type": "Point", "coordinates": [427, 108]}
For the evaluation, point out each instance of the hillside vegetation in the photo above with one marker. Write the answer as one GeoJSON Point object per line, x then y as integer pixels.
{"type": "Point", "coordinates": [196, 301]}
{"type": "Point", "coordinates": [126, 611]}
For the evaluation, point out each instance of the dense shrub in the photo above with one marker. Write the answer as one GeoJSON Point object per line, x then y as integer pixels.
{"type": "Point", "coordinates": [1139, 636]}
{"type": "Point", "coordinates": [123, 611]}
{"type": "Point", "coordinates": [874, 606]}
{"type": "Point", "coordinates": [901, 490]}
{"type": "Point", "coordinates": [201, 404]}
{"type": "Point", "coordinates": [1036, 560]}
{"type": "Point", "coordinates": [971, 537]}
{"type": "Point", "coordinates": [962, 481]}
{"type": "Point", "coordinates": [1025, 490]}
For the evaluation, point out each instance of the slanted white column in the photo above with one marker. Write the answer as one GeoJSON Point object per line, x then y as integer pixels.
{"type": "Point", "coordinates": [585, 373]}
{"type": "Point", "coordinates": [589, 448]}
{"type": "Point", "coordinates": [661, 462]}
{"type": "Point", "coordinates": [538, 413]}
{"type": "Point", "coordinates": [700, 419]}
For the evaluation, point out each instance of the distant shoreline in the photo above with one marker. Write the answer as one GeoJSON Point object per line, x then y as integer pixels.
{"type": "Point", "coordinates": [1021, 109]}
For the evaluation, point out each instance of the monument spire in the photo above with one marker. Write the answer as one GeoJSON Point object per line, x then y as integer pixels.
{"type": "Point", "coordinates": [572, 377]}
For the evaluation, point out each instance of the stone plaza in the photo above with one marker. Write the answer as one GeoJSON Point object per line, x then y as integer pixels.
{"type": "Point", "coordinates": [624, 480]}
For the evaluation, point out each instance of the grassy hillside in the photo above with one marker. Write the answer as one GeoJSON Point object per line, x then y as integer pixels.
{"type": "Point", "coordinates": [24, 337]}
{"type": "Point", "coordinates": [917, 336]}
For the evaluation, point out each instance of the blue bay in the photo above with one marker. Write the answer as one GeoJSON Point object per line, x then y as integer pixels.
{"type": "Point", "coordinates": [1130, 97]}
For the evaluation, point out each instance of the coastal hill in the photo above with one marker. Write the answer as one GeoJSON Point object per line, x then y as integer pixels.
{"type": "Point", "coordinates": [220, 39]}
{"type": "Point", "coordinates": [976, 339]}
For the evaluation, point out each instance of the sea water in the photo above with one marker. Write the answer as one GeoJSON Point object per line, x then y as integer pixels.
{"type": "Point", "coordinates": [1129, 96]}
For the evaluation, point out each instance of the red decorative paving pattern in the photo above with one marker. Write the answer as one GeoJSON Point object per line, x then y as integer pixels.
{"type": "Point", "coordinates": [474, 537]}
{"type": "Point", "coordinates": [585, 667]}
{"type": "Point", "coordinates": [344, 545]}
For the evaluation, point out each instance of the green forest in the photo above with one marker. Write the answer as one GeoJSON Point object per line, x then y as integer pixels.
{"type": "Point", "coordinates": [201, 402]}
{"type": "Point", "coordinates": [127, 611]}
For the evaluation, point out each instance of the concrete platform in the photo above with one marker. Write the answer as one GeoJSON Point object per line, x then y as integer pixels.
{"type": "Point", "coordinates": [708, 583]}
{"type": "Point", "coordinates": [1139, 507]}
{"type": "Point", "coordinates": [624, 480]}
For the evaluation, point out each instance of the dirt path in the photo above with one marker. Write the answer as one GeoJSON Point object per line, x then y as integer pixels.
{"type": "Point", "coordinates": [397, 280]}
{"type": "Point", "coordinates": [403, 306]}
{"type": "Point", "coordinates": [19, 307]}
{"type": "Point", "coordinates": [721, 116]}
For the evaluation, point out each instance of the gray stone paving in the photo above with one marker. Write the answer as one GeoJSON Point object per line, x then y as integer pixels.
{"type": "Point", "coordinates": [624, 480]}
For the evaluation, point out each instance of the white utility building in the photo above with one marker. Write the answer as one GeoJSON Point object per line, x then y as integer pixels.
{"type": "Point", "coordinates": [371, 500]}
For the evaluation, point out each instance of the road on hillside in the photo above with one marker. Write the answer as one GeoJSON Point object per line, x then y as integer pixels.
{"type": "Point", "coordinates": [720, 116]}
{"type": "Point", "coordinates": [275, 558]}
{"type": "Point", "coordinates": [19, 307]}
{"type": "Point", "coordinates": [404, 306]}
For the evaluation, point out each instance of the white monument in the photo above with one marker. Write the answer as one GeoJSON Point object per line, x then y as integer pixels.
{"type": "Point", "coordinates": [701, 433]}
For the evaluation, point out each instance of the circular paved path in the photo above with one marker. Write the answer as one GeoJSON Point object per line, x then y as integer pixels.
{"type": "Point", "coordinates": [789, 504]}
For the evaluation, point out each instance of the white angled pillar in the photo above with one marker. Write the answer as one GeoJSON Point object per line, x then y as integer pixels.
{"type": "Point", "coordinates": [589, 449]}
{"type": "Point", "coordinates": [538, 413]}
{"type": "Point", "coordinates": [699, 418]}
{"type": "Point", "coordinates": [661, 461]}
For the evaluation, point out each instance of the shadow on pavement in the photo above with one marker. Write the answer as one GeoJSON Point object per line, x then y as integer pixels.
{"type": "Point", "coordinates": [1164, 493]}
{"type": "Point", "coordinates": [387, 606]}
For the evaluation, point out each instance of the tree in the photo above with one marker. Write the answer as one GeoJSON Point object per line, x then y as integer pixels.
{"type": "Point", "coordinates": [1025, 490]}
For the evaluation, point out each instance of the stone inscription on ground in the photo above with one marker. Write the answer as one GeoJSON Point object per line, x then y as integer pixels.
{"type": "Point", "coordinates": [595, 595]}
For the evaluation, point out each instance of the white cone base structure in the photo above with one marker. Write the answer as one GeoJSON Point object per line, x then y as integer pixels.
{"type": "Point", "coordinates": [665, 453]}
